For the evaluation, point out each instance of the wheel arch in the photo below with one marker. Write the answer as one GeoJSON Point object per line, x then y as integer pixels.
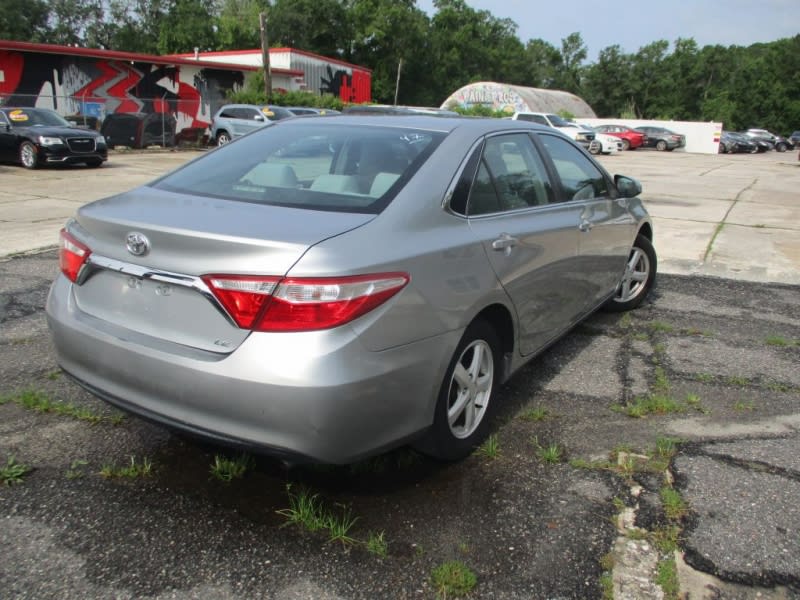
{"type": "Point", "coordinates": [500, 319]}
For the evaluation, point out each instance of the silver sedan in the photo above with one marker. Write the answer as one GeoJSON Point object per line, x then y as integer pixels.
{"type": "Point", "coordinates": [326, 289]}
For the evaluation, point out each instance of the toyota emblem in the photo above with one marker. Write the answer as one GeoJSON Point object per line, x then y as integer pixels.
{"type": "Point", "coordinates": [137, 243]}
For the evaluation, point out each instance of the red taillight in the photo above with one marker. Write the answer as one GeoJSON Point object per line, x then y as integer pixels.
{"type": "Point", "coordinates": [300, 304]}
{"type": "Point", "coordinates": [72, 255]}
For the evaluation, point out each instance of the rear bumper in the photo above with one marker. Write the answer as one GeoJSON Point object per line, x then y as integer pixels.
{"type": "Point", "coordinates": [318, 395]}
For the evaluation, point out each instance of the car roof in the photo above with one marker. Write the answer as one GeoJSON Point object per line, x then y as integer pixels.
{"type": "Point", "coordinates": [446, 124]}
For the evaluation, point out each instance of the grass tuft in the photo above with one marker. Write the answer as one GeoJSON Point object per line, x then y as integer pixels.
{"type": "Point", "coordinates": [536, 414]}
{"type": "Point", "coordinates": [308, 511]}
{"type": "Point", "coordinates": [660, 326]}
{"type": "Point", "coordinates": [377, 544]}
{"type": "Point", "coordinates": [674, 506]}
{"type": "Point", "coordinates": [490, 448]}
{"type": "Point", "coordinates": [75, 470]}
{"type": "Point", "coordinates": [667, 578]}
{"type": "Point", "coordinates": [550, 454]}
{"type": "Point", "coordinates": [130, 471]}
{"type": "Point", "coordinates": [654, 404]}
{"type": "Point", "coordinates": [13, 472]}
{"type": "Point", "coordinates": [453, 578]}
{"type": "Point", "coordinates": [227, 469]}
{"type": "Point", "coordinates": [40, 402]}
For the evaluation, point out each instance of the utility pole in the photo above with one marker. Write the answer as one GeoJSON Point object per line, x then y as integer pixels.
{"type": "Point", "coordinates": [397, 83]}
{"type": "Point", "coordinates": [262, 18]}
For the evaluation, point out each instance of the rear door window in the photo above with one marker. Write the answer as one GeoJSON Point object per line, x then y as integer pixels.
{"type": "Point", "coordinates": [510, 176]}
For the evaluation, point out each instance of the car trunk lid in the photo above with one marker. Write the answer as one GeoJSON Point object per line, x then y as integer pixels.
{"type": "Point", "coordinates": [160, 293]}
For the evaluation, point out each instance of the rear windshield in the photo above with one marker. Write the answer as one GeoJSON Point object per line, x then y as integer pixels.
{"type": "Point", "coordinates": [322, 167]}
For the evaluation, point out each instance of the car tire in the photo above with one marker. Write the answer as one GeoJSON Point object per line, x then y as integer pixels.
{"type": "Point", "coordinates": [466, 399]}
{"type": "Point", "coordinates": [661, 145]}
{"type": "Point", "coordinates": [28, 155]}
{"type": "Point", "coordinates": [638, 278]}
{"type": "Point", "coordinates": [722, 149]}
{"type": "Point", "coordinates": [94, 163]}
{"type": "Point", "coordinates": [626, 145]}
{"type": "Point", "coordinates": [781, 147]}
{"type": "Point", "coordinates": [223, 137]}
{"type": "Point", "coordinates": [595, 149]}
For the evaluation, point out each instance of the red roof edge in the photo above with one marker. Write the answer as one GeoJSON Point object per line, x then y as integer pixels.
{"type": "Point", "coordinates": [131, 56]}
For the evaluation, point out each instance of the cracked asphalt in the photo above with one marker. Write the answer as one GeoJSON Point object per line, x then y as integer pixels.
{"type": "Point", "coordinates": [726, 353]}
{"type": "Point", "coordinates": [528, 529]}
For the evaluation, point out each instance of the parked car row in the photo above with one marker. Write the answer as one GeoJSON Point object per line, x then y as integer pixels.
{"type": "Point", "coordinates": [753, 141]}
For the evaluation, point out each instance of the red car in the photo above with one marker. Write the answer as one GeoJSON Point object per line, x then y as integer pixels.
{"type": "Point", "coordinates": [631, 139]}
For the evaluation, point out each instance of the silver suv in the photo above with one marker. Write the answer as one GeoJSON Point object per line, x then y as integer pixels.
{"type": "Point", "coordinates": [233, 120]}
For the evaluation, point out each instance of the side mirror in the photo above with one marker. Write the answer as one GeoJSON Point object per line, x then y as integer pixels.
{"type": "Point", "coordinates": [627, 187]}
{"type": "Point", "coordinates": [258, 117]}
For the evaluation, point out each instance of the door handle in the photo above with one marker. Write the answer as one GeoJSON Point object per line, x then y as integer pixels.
{"type": "Point", "coordinates": [585, 225]}
{"type": "Point", "coordinates": [504, 242]}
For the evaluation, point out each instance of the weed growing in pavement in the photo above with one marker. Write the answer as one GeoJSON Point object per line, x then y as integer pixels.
{"type": "Point", "coordinates": [774, 386]}
{"type": "Point", "coordinates": [674, 506]}
{"type": "Point", "coordinates": [13, 472]}
{"type": "Point", "coordinates": [305, 509]}
{"type": "Point", "coordinates": [464, 548]}
{"type": "Point", "coordinates": [53, 375]}
{"type": "Point", "coordinates": [453, 578]}
{"type": "Point", "coordinates": [780, 341]}
{"type": "Point", "coordinates": [550, 454]}
{"type": "Point", "coordinates": [666, 538]}
{"type": "Point", "coordinates": [660, 349]}
{"type": "Point", "coordinates": [626, 321]}
{"type": "Point", "coordinates": [377, 544]}
{"type": "Point", "coordinates": [536, 414]}
{"type": "Point", "coordinates": [667, 447]}
{"type": "Point", "coordinates": [40, 402]}
{"type": "Point", "coordinates": [339, 526]}
{"type": "Point", "coordinates": [704, 377]}
{"type": "Point", "coordinates": [737, 380]}
{"type": "Point", "coordinates": [490, 448]}
{"type": "Point", "coordinates": [131, 471]}
{"type": "Point", "coordinates": [661, 384]}
{"type": "Point", "coordinates": [227, 469]}
{"type": "Point", "coordinates": [742, 406]}
{"type": "Point", "coordinates": [607, 578]}
{"type": "Point", "coordinates": [75, 471]}
{"type": "Point", "coordinates": [641, 337]}
{"type": "Point", "coordinates": [660, 327]}
{"type": "Point", "coordinates": [667, 578]}
{"type": "Point", "coordinates": [655, 404]}
{"type": "Point", "coordinates": [308, 511]}
{"type": "Point", "coordinates": [697, 332]}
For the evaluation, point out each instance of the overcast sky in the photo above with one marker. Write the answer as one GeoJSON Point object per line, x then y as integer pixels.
{"type": "Point", "coordinates": [635, 23]}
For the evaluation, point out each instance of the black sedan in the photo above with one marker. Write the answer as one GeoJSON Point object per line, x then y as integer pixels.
{"type": "Point", "coordinates": [37, 136]}
{"type": "Point", "coordinates": [731, 142]}
{"type": "Point", "coordinates": [662, 139]}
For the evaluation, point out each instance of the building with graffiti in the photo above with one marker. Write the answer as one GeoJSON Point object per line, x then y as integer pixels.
{"type": "Point", "coordinates": [90, 84]}
{"type": "Point", "coordinates": [321, 74]}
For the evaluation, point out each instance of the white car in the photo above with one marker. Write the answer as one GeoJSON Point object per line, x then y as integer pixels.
{"type": "Point", "coordinates": [608, 144]}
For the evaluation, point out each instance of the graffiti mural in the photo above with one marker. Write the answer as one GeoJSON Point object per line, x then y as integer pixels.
{"type": "Point", "coordinates": [96, 87]}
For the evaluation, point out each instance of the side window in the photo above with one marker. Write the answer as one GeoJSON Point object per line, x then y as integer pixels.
{"type": "Point", "coordinates": [511, 176]}
{"type": "Point", "coordinates": [3, 120]}
{"type": "Point", "coordinates": [580, 178]}
{"type": "Point", "coordinates": [228, 113]}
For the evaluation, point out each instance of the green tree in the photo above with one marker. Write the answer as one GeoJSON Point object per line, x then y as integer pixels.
{"type": "Point", "coordinates": [23, 20]}
{"type": "Point", "coordinates": [542, 63]}
{"type": "Point", "coordinates": [384, 32]}
{"type": "Point", "coordinates": [573, 53]}
{"type": "Point", "coordinates": [607, 85]}
{"type": "Point", "coordinates": [473, 45]}
{"type": "Point", "coordinates": [69, 20]}
{"type": "Point", "coordinates": [188, 24]}
{"type": "Point", "coordinates": [319, 26]}
{"type": "Point", "coordinates": [239, 26]}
